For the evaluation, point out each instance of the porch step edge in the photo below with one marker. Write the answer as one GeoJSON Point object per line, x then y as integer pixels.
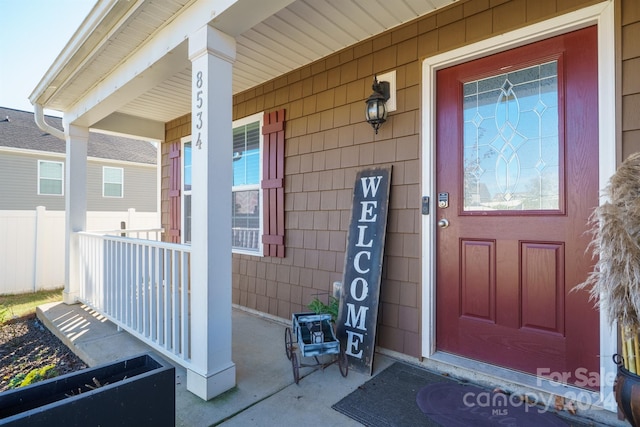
{"type": "Point", "coordinates": [73, 329]}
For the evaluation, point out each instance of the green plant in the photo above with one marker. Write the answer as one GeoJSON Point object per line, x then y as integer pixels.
{"type": "Point", "coordinates": [16, 380]}
{"type": "Point", "coordinates": [35, 375]}
{"type": "Point", "coordinates": [320, 307]}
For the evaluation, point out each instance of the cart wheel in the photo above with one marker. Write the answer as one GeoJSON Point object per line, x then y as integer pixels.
{"type": "Point", "coordinates": [288, 343]}
{"type": "Point", "coordinates": [343, 363]}
{"type": "Point", "coordinates": [295, 366]}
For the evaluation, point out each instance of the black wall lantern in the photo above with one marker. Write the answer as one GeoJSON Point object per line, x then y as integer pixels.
{"type": "Point", "coordinates": [376, 111]}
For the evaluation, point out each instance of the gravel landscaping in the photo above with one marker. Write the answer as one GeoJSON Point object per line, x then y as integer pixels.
{"type": "Point", "coordinates": [26, 345]}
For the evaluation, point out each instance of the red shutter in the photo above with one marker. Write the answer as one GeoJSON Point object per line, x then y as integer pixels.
{"type": "Point", "coordinates": [174, 193]}
{"type": "Point", "coordinates": [273, 184]}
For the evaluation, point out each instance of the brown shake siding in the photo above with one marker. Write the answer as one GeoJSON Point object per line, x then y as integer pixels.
{"type": "Point", "coordinates": [630, 47]}
{"type": "Point", "coordinates": [327, 142]}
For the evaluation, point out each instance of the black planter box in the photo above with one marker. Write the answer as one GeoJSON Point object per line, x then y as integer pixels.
{"type": "Point", "coordinates": [139, 391]}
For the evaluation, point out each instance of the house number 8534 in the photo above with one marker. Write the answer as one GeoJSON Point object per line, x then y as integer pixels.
{"type": "Point", "coordinates": [199, 103]}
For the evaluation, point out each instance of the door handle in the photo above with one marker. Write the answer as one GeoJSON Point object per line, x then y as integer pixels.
{"type": "Point", "coordinates": [443, 223]}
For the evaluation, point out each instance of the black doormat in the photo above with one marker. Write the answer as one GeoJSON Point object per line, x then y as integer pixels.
{"type": "Point", "coordinates": [403, 395]}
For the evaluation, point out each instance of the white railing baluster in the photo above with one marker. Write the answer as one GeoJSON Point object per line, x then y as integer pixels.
{"type": "Point", "coordinates": [95, 273]}
{"type": "Point", "coordinates": [88, 274]}
{"type": "Point", "coordinates": [111, 289]}
{"type": "Point", "coordinates": [175, 302]}
{"type": "Point", "coordinates": [184, 311]}
{"type": "Point", "coordinates": [153, 298]}
{"type": "Point", "coordinates": [144, 290]}
{"type": "Point", "coordinates": [96, 276]}
{"type": "Point", "coordinates": [130, 287]}
{"type": "Point", "coordinates": [161, 296]}
{"type": "Point", "coordinates": [139, 287]}
{"type": "Point", "coordinates": [105, 297]}
{"type": "Point", "coordinates": [115, 268]}
{"type": "Point", "coordinates": [167, 299]}
{"type": "Point", "coordinates": [122, 291]}
{"type": "Point", "coordinates": [126, 285]}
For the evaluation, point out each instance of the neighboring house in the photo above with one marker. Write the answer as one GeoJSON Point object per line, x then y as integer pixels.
{"type": "Point", "coordinates": [121, 172]}
{"type": "Point", "coordinates": [122, 191]}
{"type": "Point", "coordinates": [508, 115]}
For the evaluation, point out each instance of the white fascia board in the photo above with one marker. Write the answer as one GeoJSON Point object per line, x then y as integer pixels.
{"type": "Point", "coordinates": [62, 156]}
{"type": "Point", "coordinates": [121, 163]}
{"type": "Point", "coordinates": [88, 26]}
{"type": "Point", "coordinates": [31, 152]}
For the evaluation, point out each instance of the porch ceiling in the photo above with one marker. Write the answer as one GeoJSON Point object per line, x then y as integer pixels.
{"type": "Point", "coordinates": [269, 44]}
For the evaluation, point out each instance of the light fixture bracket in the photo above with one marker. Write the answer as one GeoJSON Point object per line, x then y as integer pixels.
{"type": "Point", "coordinates": [383, 88]}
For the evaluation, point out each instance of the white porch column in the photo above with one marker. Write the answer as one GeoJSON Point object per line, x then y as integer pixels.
{"type": "Point", "coordinates": [212, 54]}
{"type": "Point", "coordinates": [75, 193]}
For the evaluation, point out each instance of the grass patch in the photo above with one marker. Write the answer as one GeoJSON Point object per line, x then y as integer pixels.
{"type": "Point", "coordinates": [20, 305]}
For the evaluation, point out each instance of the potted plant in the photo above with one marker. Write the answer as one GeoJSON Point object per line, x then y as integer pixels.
{"type": "Point", "coordinates": [319, 307]}
{"type": "Point", "coordinates": [135, 391]}
{"type": "Point", "coordinates": [615, 281]}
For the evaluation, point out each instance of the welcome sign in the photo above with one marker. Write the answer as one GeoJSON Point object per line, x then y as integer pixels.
{"type": "Point", "coordinates": [358, 314]}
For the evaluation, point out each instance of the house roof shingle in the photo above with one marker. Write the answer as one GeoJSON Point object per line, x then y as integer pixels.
{"type": "Point", "coordinates": [18, 129]}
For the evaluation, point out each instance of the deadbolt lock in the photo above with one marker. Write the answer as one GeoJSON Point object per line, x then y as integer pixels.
{"type": "Point", "coordinates": [443, 200]}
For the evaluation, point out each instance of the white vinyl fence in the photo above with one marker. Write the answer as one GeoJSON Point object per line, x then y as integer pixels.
{"type": "Point", "coordinates": [32, 244]}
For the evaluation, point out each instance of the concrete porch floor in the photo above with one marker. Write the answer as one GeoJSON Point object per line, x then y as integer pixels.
{"type": "Point", "coordinates": [265, 393]}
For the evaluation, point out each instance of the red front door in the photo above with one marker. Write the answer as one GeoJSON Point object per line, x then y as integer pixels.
{"type": "Point", "coordinates": [517, 178]}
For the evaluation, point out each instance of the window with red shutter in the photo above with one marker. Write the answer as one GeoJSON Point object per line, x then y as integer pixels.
{"type": "Point", "coordinates": [247, 217]}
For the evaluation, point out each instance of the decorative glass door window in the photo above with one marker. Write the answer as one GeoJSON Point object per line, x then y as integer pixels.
{"type": "Point", "coordinates": [512, 141]}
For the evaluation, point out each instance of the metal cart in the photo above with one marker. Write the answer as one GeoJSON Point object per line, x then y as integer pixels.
{"type": "Point", "coordinates": [315, 337]}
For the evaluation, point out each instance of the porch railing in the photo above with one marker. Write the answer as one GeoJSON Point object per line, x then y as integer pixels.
{"type": "Point", "coordinates": [246, 238]}
{"type": "Point", "coordinates": [145, 233]}
{"type": "Point", "coordinates": [143, 286]}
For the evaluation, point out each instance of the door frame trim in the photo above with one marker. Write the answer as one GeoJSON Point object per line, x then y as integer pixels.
{"type": "Point", "coordinates": [603, 16]}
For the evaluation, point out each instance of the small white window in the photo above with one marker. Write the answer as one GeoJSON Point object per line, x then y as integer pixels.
{"type": "Point", "coordinates": [50, 178]}
{"type": "Point", "coordinates": [112, 182]}
{"type": "Point", "coordinates": [246, 193]}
